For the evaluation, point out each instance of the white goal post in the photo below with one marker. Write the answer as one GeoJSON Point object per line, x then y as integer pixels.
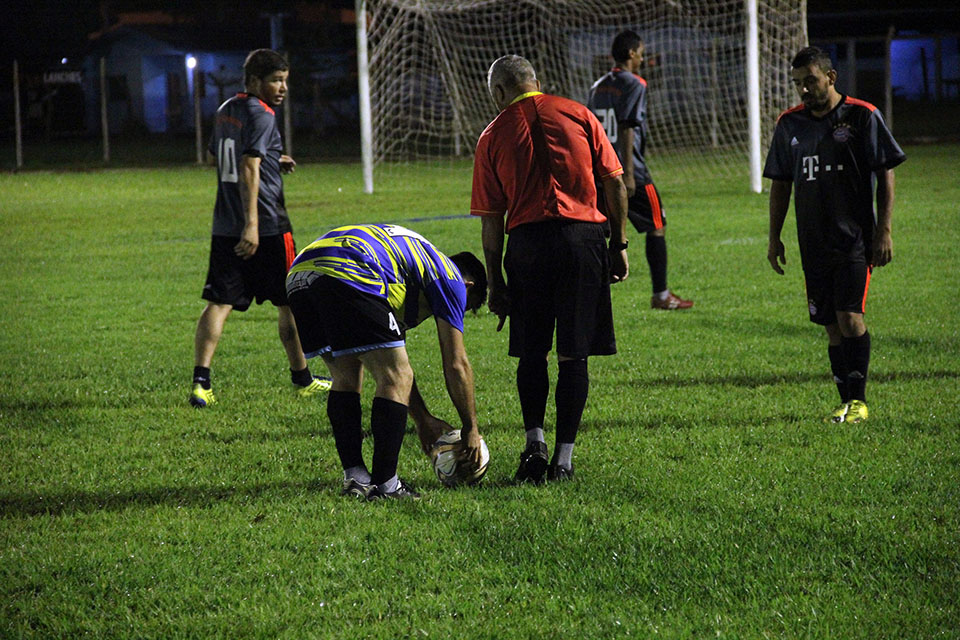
{"type": "Point", "coordinates": [718, 74]}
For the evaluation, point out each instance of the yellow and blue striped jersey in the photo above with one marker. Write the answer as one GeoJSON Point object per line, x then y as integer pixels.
{"type": "Point", "coordinates": [392, 262]}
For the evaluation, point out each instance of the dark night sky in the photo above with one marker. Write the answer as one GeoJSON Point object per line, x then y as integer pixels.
{"type": "Point", "coordinates": [39, 32]}
{"type": "Point", "coordinates": [34, 30]}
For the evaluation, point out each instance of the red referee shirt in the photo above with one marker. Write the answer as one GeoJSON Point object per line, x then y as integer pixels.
{"type": "Point", "coordinates": [541, 159]}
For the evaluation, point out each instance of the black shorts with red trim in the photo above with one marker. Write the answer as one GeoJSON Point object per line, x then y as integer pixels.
{"type": "Point", "coordinates": [841, 288]}
{"type": "Point", "coordinates": [558, 276]}
{"type": "Point", "coordinates": [645, 210]}
{"type": "Point", "coordinates": [237, 282]}
{"type": "Point", "coordinates": [336, 319]}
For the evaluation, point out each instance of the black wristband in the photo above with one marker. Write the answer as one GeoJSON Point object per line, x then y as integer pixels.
{"type": "Point", "coordinates": [618, 246]}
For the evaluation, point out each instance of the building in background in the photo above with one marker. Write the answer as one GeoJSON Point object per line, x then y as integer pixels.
{"type": "Point", "coordinates": [904, 59]}
{"type": "Point", "coordinates": [150, 63]}
{"type": "Point", "coordinates": [148, 56]}
{"type": "Point", "coordinates": [152, 59]}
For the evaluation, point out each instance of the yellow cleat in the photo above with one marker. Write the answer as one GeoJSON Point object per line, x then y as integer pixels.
{"type": "Point", "coordinates": [320, 384]}
{"type": "Point", "coordinates": [201, 397]}
{"type": "Point", "coordinates": [839, 414]}
{"type": "Point", "coordinates": [857, 411]}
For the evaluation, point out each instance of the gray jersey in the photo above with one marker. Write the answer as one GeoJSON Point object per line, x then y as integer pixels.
{"type": "Point", "coordinates": [247, 126]}
{"type": "Point", "coordinates": [619, 100]}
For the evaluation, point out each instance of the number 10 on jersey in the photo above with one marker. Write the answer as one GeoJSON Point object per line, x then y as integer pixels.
{"type": "Point", "coordinates": [227, 160]}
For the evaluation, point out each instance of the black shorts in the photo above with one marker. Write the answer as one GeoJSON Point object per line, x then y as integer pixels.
{"type": "Point", "coordinates": [558, 275]}
{"type": "Point", "coordinates": [335, 319]}
{"type": "Point", "coordinates": [843, 288]}
{"type": "Point", "coordinates": [235, 281]}
{"type": "Point", "coordinates": [645, 210]}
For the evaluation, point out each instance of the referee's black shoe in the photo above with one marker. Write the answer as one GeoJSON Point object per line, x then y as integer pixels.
{"type": "Point", "coordinates": [402, 492]}
{"type": "Point", "coordinates": [559, 473]}
{"type": "Point", "coordinates": [533, 463]}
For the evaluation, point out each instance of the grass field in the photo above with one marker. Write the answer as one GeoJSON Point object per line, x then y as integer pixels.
{"type": "Point", "coordinates": [710, 501]}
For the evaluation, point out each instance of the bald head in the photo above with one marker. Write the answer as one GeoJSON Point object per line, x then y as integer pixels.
{"type": "Point", "coordinates": [509, 77]}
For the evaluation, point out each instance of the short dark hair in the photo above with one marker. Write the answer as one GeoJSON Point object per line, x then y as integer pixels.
{"type": "Point", "coordinates": [624, 43]}
{"type": "Point", "coordinates": [812, 55]}
{"type": "Point", "coordinates": [260, 63]}
{"type": "Point", "coordinates": [472, 269]}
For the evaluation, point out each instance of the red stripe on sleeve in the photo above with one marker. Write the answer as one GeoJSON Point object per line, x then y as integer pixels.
{"type": "Point", "coordinates": [790, 110]}
{"type": "Point", "coordinates": [860, 103]}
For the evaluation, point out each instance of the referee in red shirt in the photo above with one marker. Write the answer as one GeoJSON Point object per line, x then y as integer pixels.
{"type": "Point", "coordinates": [534, 177]}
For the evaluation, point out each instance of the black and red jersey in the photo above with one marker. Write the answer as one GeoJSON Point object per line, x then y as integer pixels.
{"type": "Point", "coordinates": [831, 161]}
{"type": "Point", "coordinates": [619, 100]}
{"type": "Point", "coordinates": [247, 126]}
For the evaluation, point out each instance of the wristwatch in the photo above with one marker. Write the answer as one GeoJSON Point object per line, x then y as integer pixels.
{"type": "Point", "coordinates": [618, 246]}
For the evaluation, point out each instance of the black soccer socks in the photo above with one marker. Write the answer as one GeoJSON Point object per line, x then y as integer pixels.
{"type": "Point", "coordinates": [856, 354]}
{"type": "Point", "coordinates": [343, 409]}
{"type": "Point", "coordinates": [388, 422]}
{"type": "Point", "coordinates": [301, 378]}
{"type": "Point", "coordinates": [838, 365]}
{"type": "Point", "coordinates": [533, 386]}
{"type": "Point", "coordinates": [201, 376]}
{"type": "Point", "coordinates": [656, 250]}
{"type": "Point", "coordinates": [573, 383]}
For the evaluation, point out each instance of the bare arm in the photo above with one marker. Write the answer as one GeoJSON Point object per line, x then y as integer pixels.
{"type": "Point", "coordinates": [429, 427]}
{"type": "Point", "coordinates": [882, 239]}
{"type": "Point", "coordinates": [615, 193]}
{"type": "Point", "coordinates": [492, 239]}
{"type": "Point", "coordinates": [458, 375]}
{"type": "Point", "coordinates": [779, 204]}
{"type": "Point", "coordinates": [626, 153]}
{"type": "Point", "coordinates": [249, 190]}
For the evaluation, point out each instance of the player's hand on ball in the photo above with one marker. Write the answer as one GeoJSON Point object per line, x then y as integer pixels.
{"type": "Point", "coordinates": [433, 427]}
{"type": "Point", "coordinates": [453, 459]}
{"type": "Point", "coordinates": [469, 448]}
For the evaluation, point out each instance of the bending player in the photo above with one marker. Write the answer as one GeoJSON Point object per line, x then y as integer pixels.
{"type": "Point", "coordinates": [354, 292]}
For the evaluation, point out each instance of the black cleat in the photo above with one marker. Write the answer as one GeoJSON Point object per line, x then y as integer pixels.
{"type": "Point", "coordinates": [403, 492]}
{"type": "Point", "coordinates": [356, 489]}
{"type": "Point", "coordinates": [533, 463]}
{"type": "Point", "coordinates": [559, 473]}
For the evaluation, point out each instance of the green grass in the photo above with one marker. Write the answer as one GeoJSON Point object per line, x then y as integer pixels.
{"type": "Point", "coordinates": [710, 499]}
{"type": "Point", "coordinates": [153, 150]}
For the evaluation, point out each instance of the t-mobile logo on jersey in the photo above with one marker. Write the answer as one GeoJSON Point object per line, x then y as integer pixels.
{"type": "Point", "coordinates": [811, 167]}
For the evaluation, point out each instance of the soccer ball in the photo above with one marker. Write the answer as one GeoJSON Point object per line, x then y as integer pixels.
{"type": "Point", "coordinates": [445, 463]}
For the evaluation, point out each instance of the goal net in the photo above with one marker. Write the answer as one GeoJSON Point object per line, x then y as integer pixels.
{"type": "Point", "coordinates": [428, 61]}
